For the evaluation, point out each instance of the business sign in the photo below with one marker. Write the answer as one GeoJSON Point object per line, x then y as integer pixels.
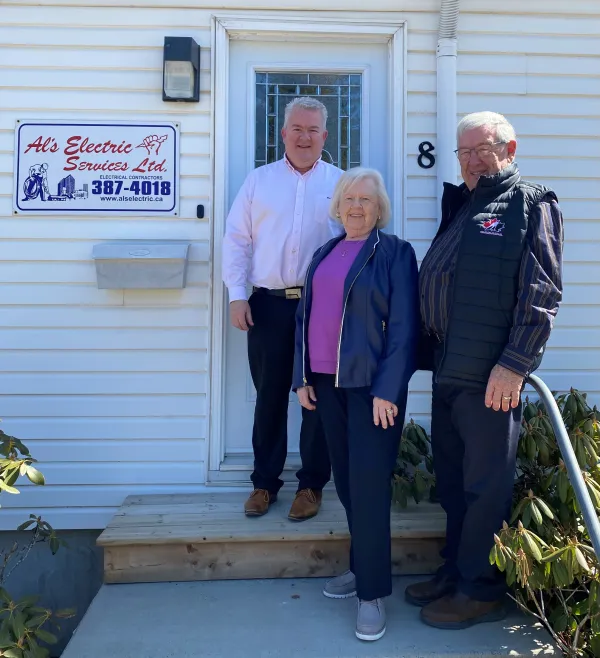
{"type": "Point", "coordinates": [86, 167]}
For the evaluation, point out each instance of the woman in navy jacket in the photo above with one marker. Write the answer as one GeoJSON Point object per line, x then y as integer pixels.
{"type": "Point", "coordinates": [356, 335]}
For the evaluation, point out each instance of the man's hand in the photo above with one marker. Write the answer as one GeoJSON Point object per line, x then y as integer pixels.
{"type": "Point", "coordinates": [503, 389]}
{"type": "Point", "coordinates": [240, 315]}
{"type": "Point", "coordinates": [384, 412]}
{"type": "Point", "coordinates": [306, 397]}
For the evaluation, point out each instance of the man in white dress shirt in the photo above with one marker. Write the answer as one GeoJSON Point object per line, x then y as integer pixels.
{"type": "Point", "coordinates": [277, 221]}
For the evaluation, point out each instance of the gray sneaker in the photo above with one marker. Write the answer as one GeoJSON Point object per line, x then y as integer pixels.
{"type": "Point", "coordinates": [370, 622]}
{"type": "Point", "coordinates": [341, 587]}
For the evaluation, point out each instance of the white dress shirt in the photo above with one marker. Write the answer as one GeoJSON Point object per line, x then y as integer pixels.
{"type": "Point", "coordinates": [278, 220]}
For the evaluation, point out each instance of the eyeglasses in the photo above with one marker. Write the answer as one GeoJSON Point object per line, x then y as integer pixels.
{"type": "Point", "coordinates": [482, 152]}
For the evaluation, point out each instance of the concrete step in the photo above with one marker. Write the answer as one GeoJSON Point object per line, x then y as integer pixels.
{"type": "Point", "coordinates": [276, 619]}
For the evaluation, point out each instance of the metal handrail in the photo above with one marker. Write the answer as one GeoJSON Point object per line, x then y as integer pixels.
{"type": "Point", "coordinates": [564, 443]}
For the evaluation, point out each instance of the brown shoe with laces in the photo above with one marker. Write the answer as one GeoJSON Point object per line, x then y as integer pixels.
{"type": "Point", "coordinates": [258, 502]}
{"type": "Point", "coordinates": [424, 593]}
{"type": "Point", "coordinates": [306, 505]}
{"type": "Point", "coordinates": [459, 611]}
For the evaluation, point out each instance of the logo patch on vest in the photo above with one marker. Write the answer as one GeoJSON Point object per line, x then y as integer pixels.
{"type": "Point", "coordinates": [491, 226]}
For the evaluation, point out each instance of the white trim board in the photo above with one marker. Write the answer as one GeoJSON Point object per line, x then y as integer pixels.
{"type": "Point", "coordinates": [249, 27]}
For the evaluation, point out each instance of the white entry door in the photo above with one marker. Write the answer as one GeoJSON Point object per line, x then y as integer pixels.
{"type": "Point", "coordinates": [353, 81]}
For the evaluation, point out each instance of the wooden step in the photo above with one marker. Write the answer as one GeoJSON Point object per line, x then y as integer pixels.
{"type": "Point", "coordinates": [184, 537]}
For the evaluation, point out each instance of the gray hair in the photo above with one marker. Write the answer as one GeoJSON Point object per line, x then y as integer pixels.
{"type": "Point", "coordinates": [305, 103]}
{"type": "Point", "coordinates": [504, 131]}
{"type": "Point", "coordinates": [348, 178]}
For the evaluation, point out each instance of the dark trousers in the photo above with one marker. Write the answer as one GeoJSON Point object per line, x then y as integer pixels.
{"type": "Point", "coordinates": [271, 356]}
{"type": "Point", "coordinates": [474, 457]}
{"type": "Point", "coordinates": [363, 458]}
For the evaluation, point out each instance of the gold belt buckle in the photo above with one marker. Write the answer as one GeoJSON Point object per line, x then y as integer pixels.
{"type": "Point", "coordinates": [293, 293]}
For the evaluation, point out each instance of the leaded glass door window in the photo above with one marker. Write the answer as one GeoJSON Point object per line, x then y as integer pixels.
{"type": "Point", "coordinates": [341, 93]}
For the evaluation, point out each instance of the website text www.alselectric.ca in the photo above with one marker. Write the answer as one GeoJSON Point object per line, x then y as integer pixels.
{"type": "Point", "coordinates": [130, 198]}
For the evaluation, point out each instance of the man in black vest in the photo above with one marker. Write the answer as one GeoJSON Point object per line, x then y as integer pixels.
{"type": "Point", "coordinates": [490, 286]}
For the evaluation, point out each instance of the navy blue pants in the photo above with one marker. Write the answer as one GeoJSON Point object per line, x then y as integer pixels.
{"type": "Point", "coordinates": [271, 357]}
{"type": "Point", "coordinates": [362, 459]}
{"type": "Point", "coordinates": [474, 457]}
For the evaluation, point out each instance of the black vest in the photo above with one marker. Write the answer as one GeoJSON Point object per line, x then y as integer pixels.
{"type": "Point", "coordinates": [486, 278]}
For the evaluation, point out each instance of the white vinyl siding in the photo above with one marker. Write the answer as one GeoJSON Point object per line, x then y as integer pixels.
{"type": "Point", "coordinates": [107, 387]}
{"type": "Point", "coordinates": [543, 72]}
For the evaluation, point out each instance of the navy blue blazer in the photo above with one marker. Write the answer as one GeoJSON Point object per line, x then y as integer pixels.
{"type": "Point", "coordinates": [380, 324]}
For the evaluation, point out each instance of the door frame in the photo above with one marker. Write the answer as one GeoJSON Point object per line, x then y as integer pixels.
{"type": "Point", "coordinates": [283, 27]}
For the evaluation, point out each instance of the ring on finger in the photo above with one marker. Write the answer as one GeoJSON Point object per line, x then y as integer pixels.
{"type": "Point", "coordinates": [507, 397]}
{"type": "Point", "coordinates": [389, 411]}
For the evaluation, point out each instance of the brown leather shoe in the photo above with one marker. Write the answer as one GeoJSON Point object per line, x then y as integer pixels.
{"type": "Point", "coordinates": [258, 502]}
{"type": "Point", "coordinates": [459, 611]}
{"type": "Point", "coordinates": [426, 592]}
{"type": "Point", "coordinates": [306, 505]}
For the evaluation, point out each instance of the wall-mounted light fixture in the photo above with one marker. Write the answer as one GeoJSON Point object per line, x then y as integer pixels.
{"type": "Point", "coordinates": [181, 70]}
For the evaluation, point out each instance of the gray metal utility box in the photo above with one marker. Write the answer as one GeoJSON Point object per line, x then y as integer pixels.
{"type": "Point", "coordinates": [134, 265]}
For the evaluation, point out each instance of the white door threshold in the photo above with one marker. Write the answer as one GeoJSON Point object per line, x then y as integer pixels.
{"type": "Point", "coordinates": [243, 461]}
{"type": "Point", "coordinates": [236, 469]}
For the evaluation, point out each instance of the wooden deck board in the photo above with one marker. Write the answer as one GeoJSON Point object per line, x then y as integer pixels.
{"type": "Point", "coordinates": [206, 518]}
{"type": "Point", "coordinates": [161, 538]}
{"type": "Point", "coordinates": [231, 561]}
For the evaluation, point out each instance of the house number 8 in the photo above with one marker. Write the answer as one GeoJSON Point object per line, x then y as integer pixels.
{"type": "Point", "coordinates": [426, 158]}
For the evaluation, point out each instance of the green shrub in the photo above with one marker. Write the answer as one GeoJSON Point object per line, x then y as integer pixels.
{"type": "Point", "coordinates": [24, 624]}
{"type": "Point", "coordinates": [546, 552]}
{"type": "Point", "coordinates": [409, 479]}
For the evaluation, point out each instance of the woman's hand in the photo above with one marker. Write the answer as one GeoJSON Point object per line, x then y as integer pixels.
{"type": "Point", "coordinates": [384, 412]}
{"type": "Point", "coordinates": [306, 397]}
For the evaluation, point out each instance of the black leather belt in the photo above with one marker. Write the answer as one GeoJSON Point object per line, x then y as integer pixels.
{"type": "Point", "coordinates": [288, 293]}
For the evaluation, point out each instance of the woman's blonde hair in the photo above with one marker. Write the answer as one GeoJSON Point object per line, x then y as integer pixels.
{"type": "Point", "coordinates": [348, 178]}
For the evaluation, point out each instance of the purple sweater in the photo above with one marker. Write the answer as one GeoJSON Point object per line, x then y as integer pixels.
{"type": "Point", "coordinates": [327, 305]}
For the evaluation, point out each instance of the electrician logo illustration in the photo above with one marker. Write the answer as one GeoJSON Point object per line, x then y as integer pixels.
{"type": "Point", "coordinates": [153, 142]}
{"type": "Point", "coordinates": [36, 184]}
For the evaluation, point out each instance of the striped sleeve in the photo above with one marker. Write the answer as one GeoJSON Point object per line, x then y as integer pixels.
{"type": "Point", "coordinates": [540, 288]}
